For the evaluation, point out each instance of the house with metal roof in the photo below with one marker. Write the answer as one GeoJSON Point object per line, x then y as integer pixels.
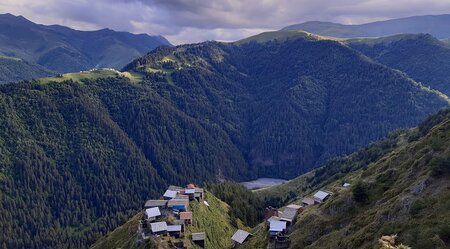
{"type": "Point", "coordinates": [294, 206]}
{"type": "Point", "coordinates": [307, 201]}
{"type": "Point", "coordinates": [175, 188]}
{"type": "Point", "coordinates": [152, 213]}
{"type": "Point", "coordinates": [178, 204]}
{"type": "Point", "coordinates": [199, 194]}
{"type": "Point", "coordinates": [346, 185]}
{"type": "Point", "coordinates": [289, 214]}
{"type": "Point", "coordinates": [155, 203]}
{"type": "Point", "coordinates": [158, 227]}
{"type": "Point", "coordinates": [199, 238]}
{"type": "Point", "coordinates": [276, 227]}
{"type": "Point", "coordinates": [174, 230]}
{"type": "Point", "coordinates": [321, 196]}
{"type": "Point", "coordinates": [170, 194]}
{"type": "Point", "coordinates": [240, 236]}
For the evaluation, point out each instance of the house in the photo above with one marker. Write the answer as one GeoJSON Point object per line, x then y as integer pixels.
{"type": "Point", "coordinates": [289, 215]}
{"type": "Point", "coordinates": [182, 196]}
{"type": "Point", "coordinates": [158, 227]}
{"type": "Point", "coordinates": [307, 201]}
{"type": "Point", "coordinates": [186, 217]}
{"type": "Point", "coordinates": [240, 236]}
{"type": "Point", "coordinates": [270, 211]}
{"type": "Point", "coordinates": [273, 218]}
{"type": "Point", "coordinates": [155, 203]}
{"type": "Point", "coordinates": [199, 238]}
{"type": "Point", "coordinates": [178, 204]}
{"type": "Point", "coordinates": [152, 213]}
{"type": "Point", "coordinates": [170, 194]}
{"type": "Point", "coordinates": [190, 192]}
{"type": "Point", "coordinates": [294, 206]}
{"type": "Point", "coordinates": [276, 227]}
{"type": "Point", "coordinates": [199, 194]}
{"type": "Point", "coordinates": [175, 188]}
{"type": "Point", "coordinates": [174, 230]}
{"type": "Point", "coordinates": [190, 186]}
{"type": "Point", "coordinates": [346, 185]}
{"type": "Point", "coordinates": [321, 196]}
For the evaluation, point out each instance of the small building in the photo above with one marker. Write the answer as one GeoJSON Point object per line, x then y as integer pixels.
{"type": "Point", "coordinates": [152, 213]}
{"type": "Point", "coordinates": [182, 196]}
{"type": "Point", "coordinates": [307, 201]}
{"type": "Point", "coordinates": [199, 194]}
{"type": "Point", "coordinates": [174, 230]}
{"type": "Point", "coordinates": [190, 192]}
{"type": "Point", "coordinates": [321, 196]}
{"type": "Point", "coordinates": [158, 227]}
{"type": "Point", "coordinates": [178, 204]}
{"type": "Point", "coordinates": [289, 215]}
{"type": "Point", "coordinates": [294, 206]}
{"type": "Point", "coordinates": [277, 227]}
{"type": "Point", "coordinates": [170, 194]}
{"type": "Point", "coordinates": [269, 212]}
{"type": "Point", "coordinates": [186, 217]}
{"type": "Point", "coordinates": [190, 186]}
{"type": "Point", "coordinates": [273, 218]}
{"type": "Point", "coordinates": [199, 238]}
{"type": "Point", "coordinates": [346, 185]}
{"type": "Point", "coordinates": [240, 236]}
{"type": "Point", "coordinates": [175, 188]}
{"type": "Point", "coordinates": [155, 203]}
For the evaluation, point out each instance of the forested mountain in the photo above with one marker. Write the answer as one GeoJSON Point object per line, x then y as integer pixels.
{"type": "Point", "coordinates": [399, 186]}
{"type": "Point", "coordinates": [14, 69]}
{"type": "Point", "coordinates": [436, 25]}
{"type": "Point", "coordinates": [79, 156]}
{"type": "Point", "coordinates": [62, 49]}
{"type": "Point", "coordinates": [423, 57]}
{"type": "Point", "coordinates": [288, 100]}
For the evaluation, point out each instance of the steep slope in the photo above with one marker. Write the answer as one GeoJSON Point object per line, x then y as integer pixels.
{"type": "Point", "coordinates": [403, 190]}
{"type": "Point", "coordinates": [436, 25]}
{"type": "Point", "coordinates": [289, 102]}
{"type": "Point", "coordinates": [14, 69]}
{"type": "Point", "coordinates": [62, 49]}
{"type": "Point", "coordinates": [81, 157]}
{"type": "Point", "coordinates": [421, 56]}
{"type": "Point", "coordinates": [212, 220]}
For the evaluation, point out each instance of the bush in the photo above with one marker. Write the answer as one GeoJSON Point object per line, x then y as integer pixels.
{"type": "Point", "coordinates": [360, 194]}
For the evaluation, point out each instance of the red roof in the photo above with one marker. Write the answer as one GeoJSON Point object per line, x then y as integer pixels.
{"type": "Point", "coordinates": [185, 215]}
{"type": "Point", "coordinates": [190, 185]}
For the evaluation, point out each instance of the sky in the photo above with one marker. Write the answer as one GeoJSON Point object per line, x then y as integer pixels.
{"type": "Point", "coordinates": [189, 21]}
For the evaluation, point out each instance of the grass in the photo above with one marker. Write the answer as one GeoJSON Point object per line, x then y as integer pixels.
{"type": "Point", "coordinates": [92, 75]}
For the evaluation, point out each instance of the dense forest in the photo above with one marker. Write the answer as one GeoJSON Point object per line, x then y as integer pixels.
{"type": "Point", "coordinates": [79, 157]}
{"type": "Point", "coordinates": [13, 70]}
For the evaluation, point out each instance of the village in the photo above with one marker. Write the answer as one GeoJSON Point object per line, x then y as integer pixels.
{"type": "Point", "coordinates": [165, 220]}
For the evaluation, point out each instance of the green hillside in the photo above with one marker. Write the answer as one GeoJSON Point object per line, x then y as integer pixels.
{"type": "Point", "coordinates": [212, 220]}
{"type": "Point", "coordinates": [423, 57]}
{"type": "Point", "coordinates": [400, 186]}
{"type": "Point", "coordinates": [79, 152]}
{"type": "Point", "coordinates": [61, 49]}
{"type": "Point", "coordinates": [14, 69]}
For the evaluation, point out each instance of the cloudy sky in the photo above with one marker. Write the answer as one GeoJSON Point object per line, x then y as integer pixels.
{"type": "Point", "coordinates": [186, 21]}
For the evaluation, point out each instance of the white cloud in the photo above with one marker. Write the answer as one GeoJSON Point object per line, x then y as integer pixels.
{"type": "Point", "coordinates": [184, 21]}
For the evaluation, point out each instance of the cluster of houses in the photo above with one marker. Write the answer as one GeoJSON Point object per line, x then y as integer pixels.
{"type": "Point", "coordinates": [170, 215]}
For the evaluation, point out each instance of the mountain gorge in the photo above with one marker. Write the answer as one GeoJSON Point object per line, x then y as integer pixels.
{"type": "Point", "coordinates": [81, 154]}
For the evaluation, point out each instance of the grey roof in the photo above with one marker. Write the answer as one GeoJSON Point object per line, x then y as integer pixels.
{"type": "Point", "coordinates": [170, 193]}
{"type": "Point", "coordinates": [158, 226]}
{"type": "Point", "coordinates": [240, 236]}
{"type": "Point", "coordinates": [198, 190]}
{"type": "Point", "coordinates": [178, 202]}
{"type": "Point", "coordinates": [277, 226]}
{"type": "Point", "coordinates": [155, 203]}
{"type": "Point", "coordinates": [152, 212]}
{"type": "Point", "coordinates": [180, 196]}
{"type": "Point", "coordinates": [273, 218]}
{"type": "Point", "coordinates": [190, 191]}
{"type": "Point", "coordinates": [174, 228]}
{"type": "Point", "coordinates": [175, 188]}
{"type": "Point", "coordinates": [289, 214]}
{"type": "Point", "coordinates": [321, 195]}
{"type": "Point", "coordinates": [198, 236]}
{"type": "Point", "coordinates": [346, 184]}
{"type": "Point", "coordinates": [308, 201]}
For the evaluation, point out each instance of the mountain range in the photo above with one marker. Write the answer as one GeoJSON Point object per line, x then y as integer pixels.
{"type": "Point", "coordinates": [81, 151]}
{"type": "Point", "coordinates": [436, 25]}
{"type": "Point", "coordinates": [61, 49]}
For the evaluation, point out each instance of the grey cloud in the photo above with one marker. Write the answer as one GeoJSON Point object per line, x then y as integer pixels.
{"type": "Point", "coordinates": [197, 20]}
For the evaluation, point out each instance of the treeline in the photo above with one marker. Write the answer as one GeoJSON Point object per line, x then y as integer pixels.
{"type": "Point", "coordinates": [244, 205]}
